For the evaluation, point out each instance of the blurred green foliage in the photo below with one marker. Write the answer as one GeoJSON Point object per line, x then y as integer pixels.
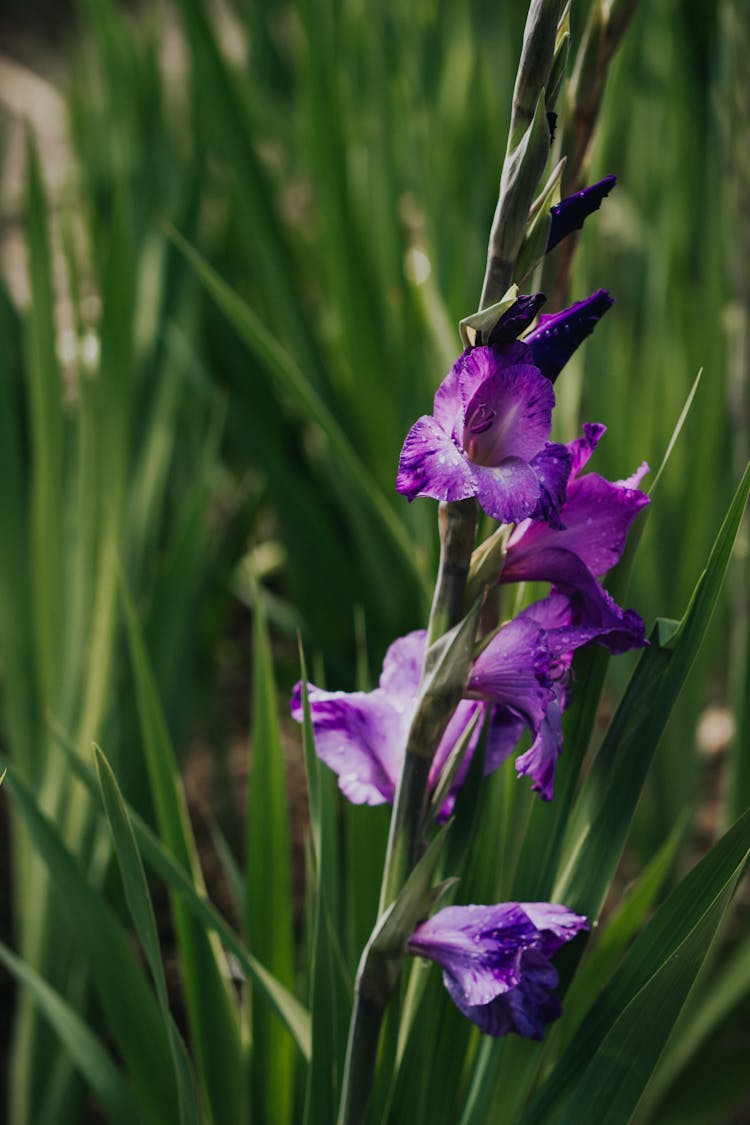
{"type": "Point", "coordinates": [212, 434]}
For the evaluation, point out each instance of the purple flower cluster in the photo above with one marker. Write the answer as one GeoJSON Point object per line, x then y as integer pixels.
{"type": "Point", "coordinates": [523, 674]}
{"type": "Point", "coordinates": [488, 438]}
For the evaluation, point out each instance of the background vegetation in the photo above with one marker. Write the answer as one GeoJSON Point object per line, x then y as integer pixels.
{"type": "Point", "coordinates": [200, 437]}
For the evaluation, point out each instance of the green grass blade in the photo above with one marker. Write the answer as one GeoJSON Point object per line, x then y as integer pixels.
{"type": "Point", "coordinates": [46, 432]}
{"type": "Point", "coordinates": [156, 856]}
{"type": "Point", "coordinates": [142, 913]}
{"type": "Point", "coordinates": [625, 922]}
{"type": "Point", "coordinates": [268, 892]}
{"type": "Point", "coordinates": [618, 1073]}
{"type": "Point", "coordinates": [289, 378]}
{"type": "Point", "coordinates": [328, 1029]}
{"type": "Point", "coordinates": [598, 827]}
{"type": "Point", "coordinates": [84, 1048]}
{"type": "Point", "coordinates": [128, 1004]}
{"type": "Point", "coordinates": [214, 1024]}
{"type": "Point", "coordinates": [693, 909]}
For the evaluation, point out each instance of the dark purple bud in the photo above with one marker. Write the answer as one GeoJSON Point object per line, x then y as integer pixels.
{"type": "Point", "coordinates": [517, 319]}
{"type": "Point", "coordinates": [557, 335]}
{"type": "Point", "coordinates": [570, 213]}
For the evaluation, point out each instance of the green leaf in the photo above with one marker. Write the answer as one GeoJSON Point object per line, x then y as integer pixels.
{"type": "Point", "coordinates": [141, 911]}
{"type": "Point", "coordinates": [128, 1004]}
{"type": "Point", "coordinates": [598, 827]}
{"type": "Point", "coordinates": [268, 892]}
{"type": "Point", "coordinates": [214, 1023]}
{"type": "Point", "coordinates": [160, 860]}
{"type": "Point", "coordinates": [86, 1051]}
{"type": "Point", "coordinates": [648, 989]}
{"type": "Point", "coordinates": [46, 437]}
{"type": "Point", "coordinates": [328, 1021]}
{"type": "Point", "coordinates": [289, 378]}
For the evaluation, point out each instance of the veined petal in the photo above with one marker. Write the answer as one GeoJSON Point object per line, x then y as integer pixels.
{"type": "Point", "coordinates": [506, 414]}
{"type": "Point", "coordinates": [617, 629]}
{"type": "Point", "coordinates": [432, 465]}
{"type": "Point", "coordinates": [513, 670]}
{"type": "Point", "coordinates": [361, 737]}
{"type": "Point", "coordinates": [402, 668]}
{"type": "Point", "coordinates": [495, 961]}
{"type": "Point", "coordinates": [479, 947]}
{"type": "Point", "coordinates": [597, 515]}
{"type": "Point", "coordinates": [552, 467]}
{"type": "Point", "coordinates": [581, 448]}
{"type": "Point", "coordinates": [540, 759]}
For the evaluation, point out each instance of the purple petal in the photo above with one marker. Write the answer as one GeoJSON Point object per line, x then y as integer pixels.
{"type": "Point", "coordinates": [458, 723]}
{"type": "Point", "coordinates": [507, 414]}
{"type": "Point", "coordinates": [540, 759]}
{"type": "Point", "coordinates": [503, 733]}
{"type": "Point", "coordinates": [514, 671]}
{"type": "Point", "coordinates": [512, 491]}
{"type": "Point", "coordinates": [479, 948]}
{"type": "Point", "coordinates": [557, 335]}
{"type": "Point", "coordinates": [361, 737]}
{"type": "Point", "coordinates": [402, 668]}
{"type": "Point", "coordinates": [582, 448]}
{"type": "Point", "coordinates": [495, 961]}
{"type": "Point", "coordinates": [556, 923]}
{"type": "Point", "coordinates": [597, 515]}
{"type": "Point", "coordinates": [570, 213]}
{"type": "Point", "coordinates": [617, 629]}
{"type": "Point", "coordinates": [432, 465]}
{"type": "Point", "coordinates": [525, 1009]}
{"type": "Point", "coordinates": [517, 319]}
{"type": "Point", "coordinates": [552, 467]}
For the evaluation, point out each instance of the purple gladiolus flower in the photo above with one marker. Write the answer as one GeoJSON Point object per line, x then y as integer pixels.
{"type": "Point", "coordinates": [362, 735]}
{"type": "Point", "coordinates": [495, 961]}
{"type": "Point", "coordinates": [596, 514]}
{"type": "Point", "coordinates": [487, 437]}
{"type": "Point", "coordinates": [557, 335]}
{"type": "Point", "coordinates": [570, 213]}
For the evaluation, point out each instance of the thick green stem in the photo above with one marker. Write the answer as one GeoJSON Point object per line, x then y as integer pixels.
{"type": "Point", "coordinates": [361, 1054]}
{"type": "Point", "coordinates": [458, 529]}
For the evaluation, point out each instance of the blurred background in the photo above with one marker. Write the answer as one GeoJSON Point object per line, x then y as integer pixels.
{"type": "Point", "coordinates": [211, 434]}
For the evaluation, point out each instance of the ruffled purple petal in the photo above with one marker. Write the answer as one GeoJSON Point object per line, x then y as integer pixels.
{"type": "Point", "coordinates": [540, 759]}
{"type": "Point", "coordinates": [581, 448]}
{"type": "Point", "coordinates": [570, 213]}
{"type": "Point", "coordinates": [557, 335]}
{"type": "Point", "coordinates": [597, 515]}
{"type": "Point", "coordinates": [552, 468]}
{"type": "Point", "coordinates": [432, 465]}
{"type": "Point", "coordinates": [525, 1009]}
{"type": "Point", "coordinates": [512, 491]}
{"type": "Point", "coordinates": [479, 947]}
{"type": "Point", "coordinates": [617, 629]}
{"type": "Point", "coordinates": [361, 737]}
{"type": "Point", "coordinates": [513, 671]}
{"type": "Point", "coordinates": [495, 961]}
